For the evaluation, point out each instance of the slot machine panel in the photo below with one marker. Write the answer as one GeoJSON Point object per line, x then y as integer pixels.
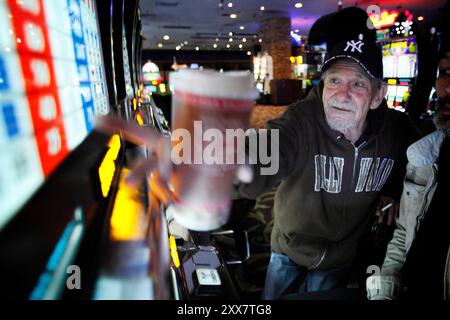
{"type": "Point", "coordinates": [58, 177]}
{"type": "Point", "coordinates": [131, 22]}
{"type": "Point", "coordinates": [123, 80]}
{"type": "Point", "coordinates": [105, 8]}
{"type": "Point", "coordinates": [400, 65]}
{"type": "Point", "coordinates": [53, 86]}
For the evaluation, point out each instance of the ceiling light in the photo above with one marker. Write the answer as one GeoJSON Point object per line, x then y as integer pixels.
{"type": "Point", "coordinates": [233, 16]}
{"type": "Point", "coordinates": [298, 5]}
{"type": "Point", "coordinates": [230, 4]}
{"type": "Point", "coordinates": [240, 46]}
{"type": "Point", "coordinates": [249, 53]}
{"type": "Point", "coordinates": [178, 48]}
{"type": "Point", "coordinates": [262, 8]}
{"type": "Point", "coordinates": [160, 45]}
{"type": "Point", "coordinates": [228, 45]}
{"type": "Point", "coordinates": [215, 45]}
{"type": "Point", "coordinates": [166, 37]}
{"type": "Point", "coordinates": [242, 27]}
{"type": "Point", "coordinates": [244, 40]}
{"type": "Point", "coordinates": [231, 39]}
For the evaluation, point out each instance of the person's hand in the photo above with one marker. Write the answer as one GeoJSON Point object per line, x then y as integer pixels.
{"type": "Point", "coordinates": [158, 162]}
{"type": "Point", "coordinates": [158, 147]}
{"type": "Point", "coordinates": [388, 215]}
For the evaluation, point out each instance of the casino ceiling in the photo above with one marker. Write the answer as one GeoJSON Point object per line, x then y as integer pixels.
{"type": "Point", "coordinates": [209, 24]}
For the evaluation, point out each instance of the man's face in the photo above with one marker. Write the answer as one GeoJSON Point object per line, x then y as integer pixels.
{"type": "Point", "coordinates": [443, 92]}
{"type": "Point", "coordinates": [347, 95]}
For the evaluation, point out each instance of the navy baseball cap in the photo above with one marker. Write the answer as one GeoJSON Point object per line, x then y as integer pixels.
{"type": "Point", "coordinates": [366, 53]}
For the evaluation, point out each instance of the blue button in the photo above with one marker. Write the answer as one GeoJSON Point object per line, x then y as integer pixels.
{"type": "Point", "coordinates": [4, 85]}
{"type": "Point", "coordinates": [10, 119]}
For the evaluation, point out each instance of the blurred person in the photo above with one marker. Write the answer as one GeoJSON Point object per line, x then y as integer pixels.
{"type": "Point", "coordinates": [417, 262]}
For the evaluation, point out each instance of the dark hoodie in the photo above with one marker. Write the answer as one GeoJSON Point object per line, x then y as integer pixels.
{"type": "Point", "coordinates": [329, 186]}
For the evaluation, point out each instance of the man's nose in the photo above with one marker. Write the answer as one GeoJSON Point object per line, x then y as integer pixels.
{"type": "Point", "coordinates": [343, 92]}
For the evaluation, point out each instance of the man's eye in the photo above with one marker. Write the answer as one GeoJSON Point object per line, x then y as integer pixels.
{"type": "Point", "coordinates": [359, 84]}
{"type": "Point", "coordinates": [444, 72]}
{"type": "Point", "coordinates": [333, 81]}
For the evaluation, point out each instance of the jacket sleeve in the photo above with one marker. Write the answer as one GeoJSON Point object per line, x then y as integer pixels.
{"type": "Point", "coordinates": [410, 134]}
{"type": "Point", "coordinates": [281, 139]}
{"type": "Point", "coordinates": [388, 284]}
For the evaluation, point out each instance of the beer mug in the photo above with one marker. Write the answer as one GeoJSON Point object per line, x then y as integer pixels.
{"type": "Point", "coordinates": [210, 113]}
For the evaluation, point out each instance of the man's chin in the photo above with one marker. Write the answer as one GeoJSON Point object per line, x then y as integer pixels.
{"type": "Point", "coordinates": [339, 126]}
{"type": "Point", "coordinates": [442, 118]}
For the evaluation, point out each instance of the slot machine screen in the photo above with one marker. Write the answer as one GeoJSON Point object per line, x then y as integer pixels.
{"type": "Point", "coordinates": [391, 94]}
{"type": "Point", "coordinates": [406, 66]}
{"type": "Point", "coordinates": [390, 66]}
{"type": "Point", "coordinates": [400, 59]}
{"type": "Point", "coordinates": [402, 94]}
{"type": "Point", "coordinates": [51, 87]}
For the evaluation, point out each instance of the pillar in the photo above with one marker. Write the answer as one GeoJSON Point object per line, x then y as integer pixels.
{"type": "Point", "coordinates": [276, 35]}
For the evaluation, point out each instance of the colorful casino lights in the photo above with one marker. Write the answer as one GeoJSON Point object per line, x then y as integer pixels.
{"type": "Point", "coordinates": [128, 213]}
{"type": "Point", "coordinates": [174, 251]}
{"type": "Point", "coordinates": [107, 167]}
{"type": "Point", "coordinates": [387, 18]}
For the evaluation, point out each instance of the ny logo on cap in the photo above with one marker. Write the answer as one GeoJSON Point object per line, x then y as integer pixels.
{"type": "Point", "coordinates": [354, 46]}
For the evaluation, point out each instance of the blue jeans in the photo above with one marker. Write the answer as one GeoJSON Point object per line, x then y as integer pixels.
{"type": "Point", "coordinates": [284, 276]}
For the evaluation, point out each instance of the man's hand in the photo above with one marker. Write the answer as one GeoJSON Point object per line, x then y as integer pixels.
{"type": "Point", "coordinates": [159, 155]}
{"type": "Point", "coordinates": [158, 147]}
{"type": "Point", "coordinates": [391, 209]}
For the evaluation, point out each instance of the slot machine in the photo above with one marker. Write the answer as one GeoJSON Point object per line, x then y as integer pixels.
{"type": "Point", "coordinates": [396, 35]}
{"type": "Point", "coordinates": [69, 226]}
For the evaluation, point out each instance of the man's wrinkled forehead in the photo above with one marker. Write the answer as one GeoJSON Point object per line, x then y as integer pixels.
{"type": "Point", "coordinates": [350, 65]}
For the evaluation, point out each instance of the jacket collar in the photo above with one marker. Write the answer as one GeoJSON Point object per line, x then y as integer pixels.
{"type": "Point", "coordinates": [425, 151]}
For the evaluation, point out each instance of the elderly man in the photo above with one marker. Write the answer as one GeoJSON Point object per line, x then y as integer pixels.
{"type": "Point", "coordinates": [342, 157]}
{"type": "Point", "coordinates": [417, 263]}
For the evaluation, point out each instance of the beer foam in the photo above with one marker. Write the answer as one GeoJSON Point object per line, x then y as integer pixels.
{"type": "Point", "coordinates": [237, 85]}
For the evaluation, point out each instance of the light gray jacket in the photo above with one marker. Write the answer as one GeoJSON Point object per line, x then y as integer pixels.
{"type": "Point", "coordinates": [419, 186]}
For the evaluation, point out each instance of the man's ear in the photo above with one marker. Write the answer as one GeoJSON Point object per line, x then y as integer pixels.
{"type": "Point", "coordinates": [379, 96]}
